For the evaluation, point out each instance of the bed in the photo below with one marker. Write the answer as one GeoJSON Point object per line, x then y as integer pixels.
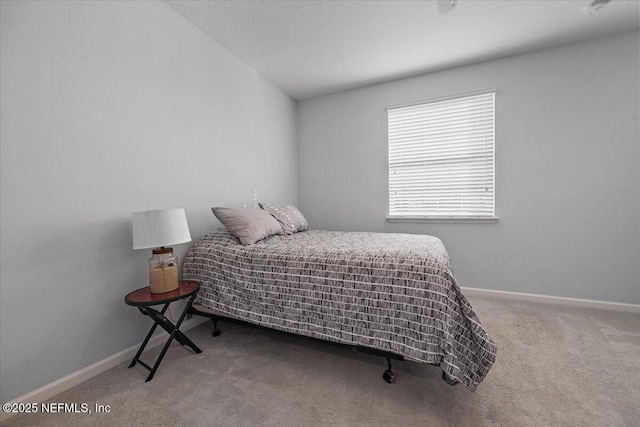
{"type": "Point", "coordinates": [390, 292]}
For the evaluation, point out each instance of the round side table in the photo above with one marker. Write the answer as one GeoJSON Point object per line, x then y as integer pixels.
{"type": "Point", "coordinates": [144, 300]}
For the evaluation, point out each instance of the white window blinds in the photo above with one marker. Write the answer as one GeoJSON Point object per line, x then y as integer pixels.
{"type": "Point", "coordinates": [441, 158]}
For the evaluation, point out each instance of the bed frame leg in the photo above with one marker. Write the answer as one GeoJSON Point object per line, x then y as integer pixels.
{"type": "Point", "coordinates": [448, 379]}
{"type": "Point", "coordinates": [389, 376]}
{"type": "Point", "coordinates": [215, 331]}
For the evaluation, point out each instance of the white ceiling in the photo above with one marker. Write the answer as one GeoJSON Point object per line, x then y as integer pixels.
{"type": "Point", "coordinates": [312, 48]}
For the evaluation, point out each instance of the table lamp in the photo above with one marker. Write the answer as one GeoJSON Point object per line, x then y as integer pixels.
{"type": "Point", "coordinates": [159, 229]}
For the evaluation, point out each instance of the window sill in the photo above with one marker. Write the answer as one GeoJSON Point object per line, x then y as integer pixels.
{"type": "Point", "coordinates": [444, 219]}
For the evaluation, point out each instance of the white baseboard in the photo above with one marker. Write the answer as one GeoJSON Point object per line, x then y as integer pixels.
{"type": "Point", "coordinates": [65, 383]}
{"type": "Point", "coordinates": [548, 299]}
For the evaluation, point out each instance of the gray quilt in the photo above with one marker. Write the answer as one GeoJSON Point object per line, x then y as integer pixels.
{"type": "Point", "coordinates": [392, 292]}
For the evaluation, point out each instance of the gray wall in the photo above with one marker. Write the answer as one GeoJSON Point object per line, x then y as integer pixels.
{"type": "Point", "coordinates": [567, 177]}
{"type": "Point", "coordinates": [109, 108]}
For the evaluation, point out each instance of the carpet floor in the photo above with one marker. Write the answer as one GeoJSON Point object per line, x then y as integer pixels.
{"type": "Point", "coordinates": [556, 366]}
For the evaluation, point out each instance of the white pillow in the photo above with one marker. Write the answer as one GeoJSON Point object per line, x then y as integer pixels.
{"type": "Point", "coordinates": [288, 216]}
{"type": "Point", "coordinates": [249, 225]}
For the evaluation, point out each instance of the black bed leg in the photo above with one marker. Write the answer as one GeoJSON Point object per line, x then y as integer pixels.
{"type": "Point", "coordinates": [448, 379]}
{"type": "Point", "coordinates": [389, 376]}
{"type": "Point", "coordinates": [215, 331]}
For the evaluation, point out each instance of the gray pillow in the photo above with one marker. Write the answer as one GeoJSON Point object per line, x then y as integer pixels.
{"type": "Point", "coordinates": [288, 216]}
{"type": "Point", "coordinates": [249, 225]}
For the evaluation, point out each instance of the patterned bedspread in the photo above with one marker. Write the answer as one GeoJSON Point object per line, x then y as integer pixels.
{"type": "Point", "coordinates": [392, 292]}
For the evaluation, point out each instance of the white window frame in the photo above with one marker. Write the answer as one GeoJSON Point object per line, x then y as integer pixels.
{"type": "Point", "coordinates": [433, 216]}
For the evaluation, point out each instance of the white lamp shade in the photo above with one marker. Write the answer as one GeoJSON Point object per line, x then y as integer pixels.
{"type": "Point", "coordinates": [165, 227]}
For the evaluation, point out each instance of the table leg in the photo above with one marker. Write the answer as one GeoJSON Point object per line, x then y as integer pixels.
{"type": "Point", "coordinates": [148, 337]}
{"type": "Point", "coordinates": [168, 326]}
{"type": "Point", "coordinates": [171, 337]}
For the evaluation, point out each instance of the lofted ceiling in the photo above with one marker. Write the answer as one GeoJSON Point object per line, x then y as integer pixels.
{"type": "Point", "coordinates": [312, 48]}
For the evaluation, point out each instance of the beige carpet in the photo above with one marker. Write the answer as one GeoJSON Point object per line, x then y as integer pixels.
{"type": "Point", "coordinates": [557, 366]}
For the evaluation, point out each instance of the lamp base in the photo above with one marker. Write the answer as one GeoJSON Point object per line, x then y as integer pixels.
{"type": "Point", "coordinates": [163, 271]}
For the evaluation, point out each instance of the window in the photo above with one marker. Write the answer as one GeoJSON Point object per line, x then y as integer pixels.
{"type": "Point", "coordinates": [441, 159]}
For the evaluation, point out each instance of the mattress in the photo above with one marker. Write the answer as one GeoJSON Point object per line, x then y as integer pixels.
{"type": "Point", "coordinates": [391, 292]}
